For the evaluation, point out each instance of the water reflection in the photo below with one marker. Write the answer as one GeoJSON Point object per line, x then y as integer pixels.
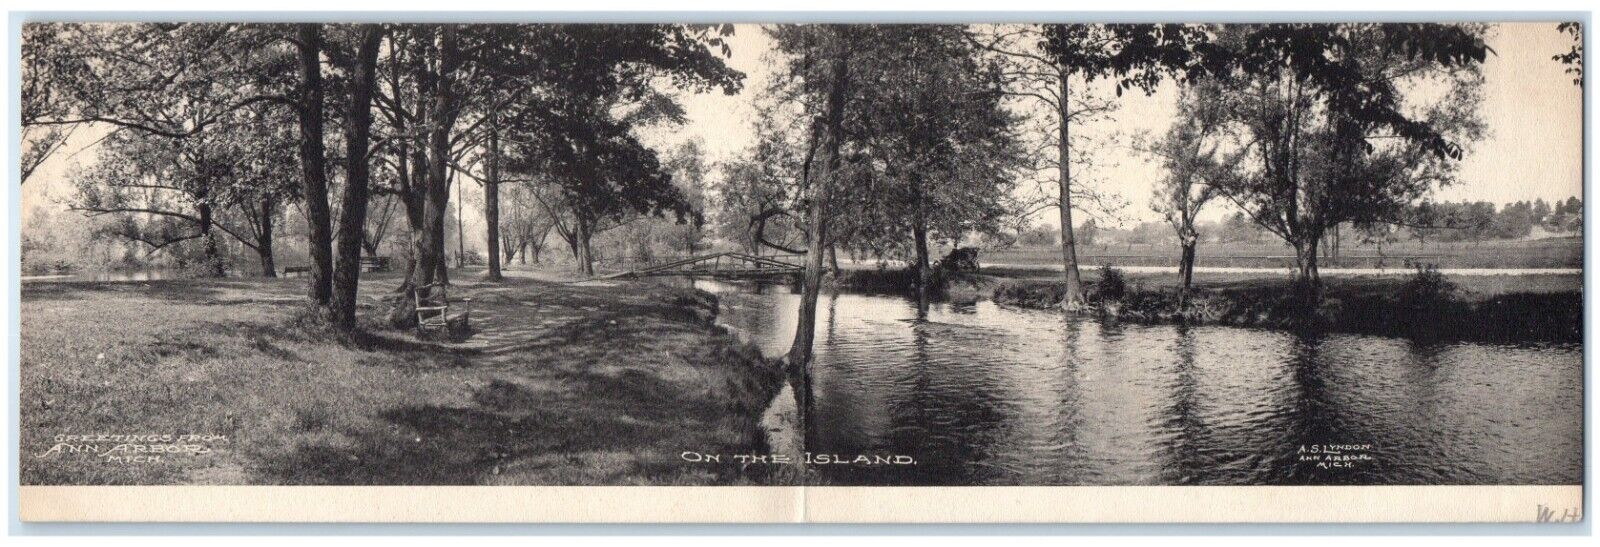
{"type": "Point", "coordinates": [982, 394]}
{"type": "Point", "coordinates": [1185, 440]}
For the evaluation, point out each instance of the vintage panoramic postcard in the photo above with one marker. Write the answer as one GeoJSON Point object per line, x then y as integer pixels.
{"type": "Point", "coordinates": [418, 272]}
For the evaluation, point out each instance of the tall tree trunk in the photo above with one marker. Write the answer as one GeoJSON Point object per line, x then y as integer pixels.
{"type": "Point", "coordinates": [1306, 262]}
{"type": "Point", "coordinates": [372, 240]}
{"type": "Point", "coordinates": [430, 187]}
{"type": "Point", "coordinates": [1330, 243]}
{"type": "Point", "coordinates": [208, 238]}
{"type": "Point", "coordinates": [411, 163]}
{"type": "Point", "coordinates": [313, 160]}
{"type": "Point", "coordinates": [1069, 251]}
{"type": "Point", "coordinates": [582, 250]}
{"type": "Point", "coordinates": [491, 207]}
{"type": "Point", "coordinates": [415, 210]}
{"type": "Point", "coordinates": [1188, 240]}
{"type": "Point", "coordinates": [353, 212]}
{"type": "Point", "coordinates": [461, 233]}
{"type": "Point", "coordinates": [536, 245]}
{"type": "Point", "coordinates": [269, 267]}
{"type": "Point", "coordinates": [919, 232]}
{"type": "Point", "coordinates": [821, 184]}
{"type": "Point", "coordinates": [431, 263]}
{"type": "Point", "coordinates": [437, 211]}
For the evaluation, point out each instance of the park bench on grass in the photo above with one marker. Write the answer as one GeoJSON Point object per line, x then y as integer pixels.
{"type": "Point", "coordinates": [433, 311]}
{"type": "Point", "coordinates": [374, 263]}
{"type": "Point", "coordinates": [295, 270]}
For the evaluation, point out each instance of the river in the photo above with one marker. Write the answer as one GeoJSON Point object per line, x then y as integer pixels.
{"type": "Point", "coordinates": [982, 394]}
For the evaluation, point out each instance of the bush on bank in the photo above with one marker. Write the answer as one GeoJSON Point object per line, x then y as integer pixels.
{"type": "Point", "coordinates": [1425, 305]}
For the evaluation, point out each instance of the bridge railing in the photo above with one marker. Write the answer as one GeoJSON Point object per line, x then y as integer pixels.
{"type": "Point", "coordinates": [728, 263]}
{"type": "Point", "coordinates": [627, 263]}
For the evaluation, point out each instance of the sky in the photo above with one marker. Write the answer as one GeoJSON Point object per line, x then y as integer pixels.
{"type": "Point", "coordinates": [1532, 109]}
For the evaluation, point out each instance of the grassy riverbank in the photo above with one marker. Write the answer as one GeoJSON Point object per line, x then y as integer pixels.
{"type": "Point", "coordinates": [602, 383]}
{"type": "Point", "coordinates": [1539, 307]}
{"type": "Point", "coordinates": [1550, 252]}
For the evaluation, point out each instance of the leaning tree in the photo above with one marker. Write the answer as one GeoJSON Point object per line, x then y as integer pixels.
{"type": "Point", "coordinates": [818, 75]}
{"type": "Point", "coordinates": [1190, 154]}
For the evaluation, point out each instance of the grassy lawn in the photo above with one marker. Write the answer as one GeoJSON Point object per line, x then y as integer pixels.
{"type": "Point", "coordinates": [562, 384]}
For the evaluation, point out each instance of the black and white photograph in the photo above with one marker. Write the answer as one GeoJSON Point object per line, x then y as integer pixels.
{"type": "Point", "coordinates": [404, 252]}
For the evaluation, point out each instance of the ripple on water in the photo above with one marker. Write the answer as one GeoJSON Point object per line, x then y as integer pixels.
{"type": "Point", "coordinates": [981, 394]}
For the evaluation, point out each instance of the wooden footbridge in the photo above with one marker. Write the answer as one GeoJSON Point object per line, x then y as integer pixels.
{"type": "Point", "coordinates": [729, 265]}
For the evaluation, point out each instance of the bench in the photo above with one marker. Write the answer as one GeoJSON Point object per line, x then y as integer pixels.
{"type": "Point", "coordinates": [296, 270]}
{"type": "Point", "coordinates": [433, 310]}
{"type": "Point", "coordinates": [374, 263]}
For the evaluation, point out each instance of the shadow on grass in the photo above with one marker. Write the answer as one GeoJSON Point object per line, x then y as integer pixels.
{"type": "Point", "coordinates": [187, 291]}
{"type": "Point", "coordinates": [584, 385]}
{"type": "Point", "coordinates": [384, 349]}
{"type": "Point", "coordinates": [507, 425]}
{"type": "Point", "coordinates": [547, 318]}
{"type": "Point", "coordinates": [180, 291]}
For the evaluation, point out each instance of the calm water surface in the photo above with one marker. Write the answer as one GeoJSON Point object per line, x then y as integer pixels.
{"type": "Point", "coordinates": [979, 393]}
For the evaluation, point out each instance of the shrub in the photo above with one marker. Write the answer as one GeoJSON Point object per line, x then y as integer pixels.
{"type": "Point", "coordinates": [1030, 294]}
{"type": "Point", "coordinates": [1112, 285]}
{"type": "Point", "coordinates": [472, 257]}
{"type": "Point", "coordinates": [1426, 305]}
{"type": "Point", "coordinates": [47, 266]}
{"type": "Point", "coordinates": [960, 260]}
{"type": "Point", "coordinates": [1426, 289]}
{"type": "Point", "coordinates": [1300, 305]}
{"type": "Point", "coordinates": [203, 266]}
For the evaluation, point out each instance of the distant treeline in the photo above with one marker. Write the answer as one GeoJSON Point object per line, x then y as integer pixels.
{"type": "Point", "coordinates": [1479, 220]}
{"type": "Point", "coordinates": [1430, 222]}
